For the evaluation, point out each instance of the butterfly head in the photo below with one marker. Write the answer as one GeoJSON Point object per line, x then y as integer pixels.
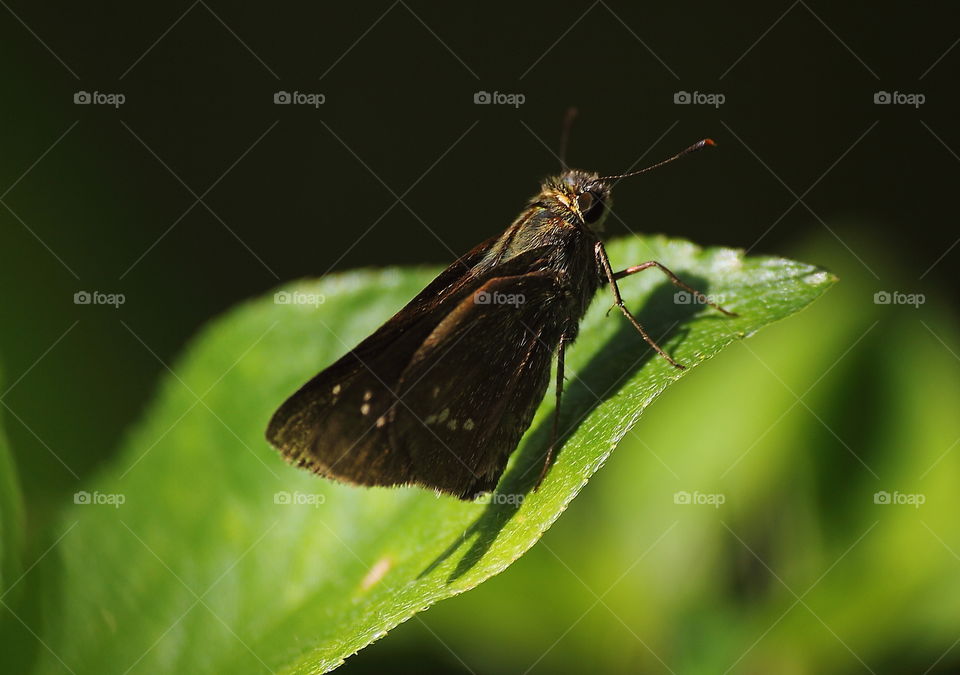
{"type": "Point", "coordinates": [584, 198]}
{"type": "Point", "coordinates": [579, 196]}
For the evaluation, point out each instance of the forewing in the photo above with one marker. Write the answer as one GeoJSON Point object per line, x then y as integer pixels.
{"type": "Point", "coordinates": [333, 425]}
{"type": "Point", "coordinates": [472, 389]}
{"type": "Point", "coordinates": [336, 424]}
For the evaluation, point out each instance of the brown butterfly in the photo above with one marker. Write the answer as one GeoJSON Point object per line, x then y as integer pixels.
{"type": "Point", "coordinates": [440, 395]}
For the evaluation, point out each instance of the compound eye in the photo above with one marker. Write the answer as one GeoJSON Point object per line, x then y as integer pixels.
{"type": "Point", "coordinates": [591, 207]}
{"type": "Point", "coordinates": [584, 202]}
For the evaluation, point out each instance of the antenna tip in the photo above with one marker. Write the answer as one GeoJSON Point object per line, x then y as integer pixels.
{"type": "Point", "coordinates": [709, 141]}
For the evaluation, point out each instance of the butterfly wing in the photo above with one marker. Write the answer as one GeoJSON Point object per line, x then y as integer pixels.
{"type": "Point", "coordinates": [321, 427]}
{"type": "Point", "coordinates": [471, 390]}
{"type": "Point", "coordinates": [337, 423]}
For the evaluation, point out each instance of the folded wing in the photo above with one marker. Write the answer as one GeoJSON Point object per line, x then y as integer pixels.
{"type": "Point", "coordinates": [340, 423]}
{"type": "Point", "coordinates": [472, 389]}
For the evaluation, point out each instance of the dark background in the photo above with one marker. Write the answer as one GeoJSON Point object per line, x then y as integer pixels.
{"type": "Point", "coordinates": [99, 199]}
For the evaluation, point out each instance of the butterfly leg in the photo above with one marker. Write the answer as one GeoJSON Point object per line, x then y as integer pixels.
{"type": "Point", "coordinates": [674, 279]}
{"type": "Point", "coordinates": [555, 432]}
{"type": "Point", "coordinates": [618, 302]}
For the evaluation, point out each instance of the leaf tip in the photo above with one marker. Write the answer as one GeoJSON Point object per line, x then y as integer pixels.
{"type": "Point", "coordinates": [821, 278]}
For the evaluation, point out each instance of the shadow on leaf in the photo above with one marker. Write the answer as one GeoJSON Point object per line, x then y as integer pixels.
{"type": "Point", "coordinates": [601, 378]}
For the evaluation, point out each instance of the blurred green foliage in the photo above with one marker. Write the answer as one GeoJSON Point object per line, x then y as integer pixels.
{"type": "Point", "coordinates": [11, 518]}
{"type": "Point", "coordinates": [801, 431]}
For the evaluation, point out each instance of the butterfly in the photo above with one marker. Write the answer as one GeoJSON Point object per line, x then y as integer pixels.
{"type": "Point", "coordinates": [440, 395]}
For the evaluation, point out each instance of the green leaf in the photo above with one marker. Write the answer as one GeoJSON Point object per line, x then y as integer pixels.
{"type": "Point", "coordinates": [11, 518]}
{"type": "Point", "coordinates": [200, 569]}
{"type": "Point", "coordinates": [12, 592]}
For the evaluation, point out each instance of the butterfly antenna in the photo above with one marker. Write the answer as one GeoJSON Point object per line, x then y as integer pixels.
{"type": "Point", "coordinates": [693, 148]}
{"type": "Point", "coordinates": [565, 135]}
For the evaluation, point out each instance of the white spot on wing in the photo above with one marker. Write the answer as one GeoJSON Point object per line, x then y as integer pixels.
{"type": "Point", "coordinates": [444, 414]}
{"type": "Point", "coordinates": [468, 425]}
{"type": "Point", "coordinates": [452, 425]}
{"type": "Point", "coordinates": [365, 409]}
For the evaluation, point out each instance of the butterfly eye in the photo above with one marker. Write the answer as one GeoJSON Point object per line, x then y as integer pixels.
{"type": "Point", "coordinates": [584, 202]}
{"type": "Point", "coordinates": [590, 206]}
